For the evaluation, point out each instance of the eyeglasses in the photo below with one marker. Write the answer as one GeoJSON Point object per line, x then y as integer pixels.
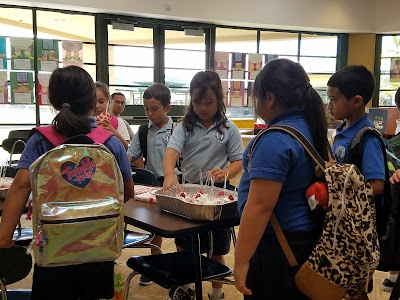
{"type": "Point", "coordinates": [119, 102]}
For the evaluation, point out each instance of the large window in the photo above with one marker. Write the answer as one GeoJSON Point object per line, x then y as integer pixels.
{"type": "Point", "coordinates": [389, 69]}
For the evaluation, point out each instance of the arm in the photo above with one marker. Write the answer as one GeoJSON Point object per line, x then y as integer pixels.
{"type": "Point", "coordinates": [169, 163]}
{"type": "Point", "coordinates": [14, 205]}
{"type": "Point", "coordinates": [377, 186]}
{"type": "Point", "coordinates": [106, 125]}
{"type": "Point", "coordinates": [260, 208]}
{"type": "Point", "coordinates": [128, 189]}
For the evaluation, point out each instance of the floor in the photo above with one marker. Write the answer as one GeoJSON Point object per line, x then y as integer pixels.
{"type": "Point", "coordinates": [154, 292]}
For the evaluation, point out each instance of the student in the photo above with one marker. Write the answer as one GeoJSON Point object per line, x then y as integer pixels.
{"type": "Point", "coordinates": [71, 92]}
{"type": "Point", "coordinates": [157, 103]}
{"type": "Point", "coordinates": [118, 102]}
{"type": "Point", "coordinates": [279, 173]}
{"type": "Point", "coordinates": [207, 141]}
{"type": "Point", "coordinates": [390, 280]}
{"type": "Point", "coordinates": [349, 91]}
{"type": "Point", "coordinates": [115, 124]}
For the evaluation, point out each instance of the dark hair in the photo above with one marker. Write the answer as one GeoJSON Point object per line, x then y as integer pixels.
{"type": "Point", "coordinates": [354, 80]}
{"type": "Point", "coordinates": [397, 98]}
{"type": "Point", "coordinates": [117, 94]}
{"type": "Point", "coordinates": [103, 88]}
{"type": "Point", "coordinates": [290, 85]}
{"type": "Point", "coordinates": [159, 92]}
{"type": "Point", "coordinates": [205, 80]}
{"type": "Point", "coordinates": [73, 94]}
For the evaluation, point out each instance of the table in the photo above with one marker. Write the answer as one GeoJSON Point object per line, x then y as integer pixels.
{"type": "Point", "coordinates": [150, 217]}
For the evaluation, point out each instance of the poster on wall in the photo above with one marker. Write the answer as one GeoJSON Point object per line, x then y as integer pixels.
{"type": "Point", "coordinates": [255, 64]}
{"type": "Point", "coordinates": [21, 84]}
{"type": "Point", "coordinates": [3, 53]}
{"type": "Point", "coordinates": [237, 93]}
{"type": "Point", "coordinates": [43, 88]}
{"type": "Point", "coordinates": [238, 65]}
{"type": "Point", "coordinates": [225, 90]}
{"type": "Point", "coordinates": [21, 53]}
{"type": "Point", "coordinates": [72, 52]}
{"type": "Point", "coordinates": [221, 61]}
{"type": "Point", "coordinates": [3, 88]}
{"type": "Point", "coordinates": [379, 118]}
{"type": "Point", "coordinates": [47, 55]}
{"type": "Point", "coordinates": [395, 69]}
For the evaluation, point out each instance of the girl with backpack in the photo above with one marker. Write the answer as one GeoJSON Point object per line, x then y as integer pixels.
{"type": "Point", "coordinates": [71, 92]}
{"type": "Point", "coordinates": [275, 180]}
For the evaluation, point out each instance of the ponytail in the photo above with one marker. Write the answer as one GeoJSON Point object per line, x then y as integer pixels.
{"type": "Point", "coordinates": [69, 124]}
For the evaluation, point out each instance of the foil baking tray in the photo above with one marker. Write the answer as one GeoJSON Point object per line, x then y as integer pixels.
{"type": "Point", "coordinates": [172, 202]}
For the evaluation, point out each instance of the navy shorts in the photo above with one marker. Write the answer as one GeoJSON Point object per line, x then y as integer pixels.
{"type": "Point", "coordinates": [85, 281]}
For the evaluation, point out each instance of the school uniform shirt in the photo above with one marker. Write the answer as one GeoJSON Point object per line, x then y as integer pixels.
{"type": "Point", "coordinates": [38, 144]}
{"type": "Point", "coordinates": [157, 140]}
{"type": "Point", "coordinates": [206, 149]}
{"type": "Point", "coordinates": [373, 164]}
{"type": "Point", "coordinates": [279, 157]}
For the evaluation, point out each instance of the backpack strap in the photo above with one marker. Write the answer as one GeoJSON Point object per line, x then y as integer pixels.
{"type": "Point", "coordinates": [143, 131]}
{"type": "Point", "coordinates": [98, 135]}
{"type": "Point", "coordinates": [114, 121]}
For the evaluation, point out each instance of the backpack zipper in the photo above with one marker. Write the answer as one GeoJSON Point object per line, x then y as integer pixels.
{"type": "Point", "coordinates": [79, 220]}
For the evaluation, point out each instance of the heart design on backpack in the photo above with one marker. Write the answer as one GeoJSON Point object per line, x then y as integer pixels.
{"type": "Point", "coordinates": [80, 174]}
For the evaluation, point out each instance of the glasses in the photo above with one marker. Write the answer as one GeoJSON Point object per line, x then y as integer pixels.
{"type": "Point", "coordinates": [119, 102]}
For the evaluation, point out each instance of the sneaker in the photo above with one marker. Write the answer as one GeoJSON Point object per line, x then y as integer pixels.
{"type": "Point", "coordinates": [144, 280]}
{"type": "Point", "coordinates": [210, 297]}
{"type": "Point", "coordinates": [179, 293]}
{"type": "Point", "coordinates": [387, 285]}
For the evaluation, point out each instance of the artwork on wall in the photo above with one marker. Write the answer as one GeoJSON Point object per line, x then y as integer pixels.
{"type": "Point", "coordinates": [21, 84]}
{"type": "Point", "coordinates": [255, 64]}
{"type": "Point", "coordinates": [238, 65]}
{"type": "Point", "coordinates": [3, 53]}
{"type": "Point", "coordinates": [3, 88]}
{"type": "Point", "coordinates": [21, 53]}
{"type": "Point", "coordinates": [43, 88]}
{"type": "Point", "coordinates": [237, 93]}
{"type": "Point", "coordinates": [47, 54]}
{"type": "Point", "coordinates": [72, 52]}
{"type": "Point", "coordinates": [221, 64]}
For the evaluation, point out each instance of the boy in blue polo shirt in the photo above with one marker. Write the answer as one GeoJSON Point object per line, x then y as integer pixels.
{"type": "Point", "coordinates": [349, 91]}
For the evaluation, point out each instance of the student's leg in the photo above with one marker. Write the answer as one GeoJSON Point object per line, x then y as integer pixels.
{"type": "Point", "coordinates": [389, 281]}
{"type": "Point", "coordinates": [157, 240]}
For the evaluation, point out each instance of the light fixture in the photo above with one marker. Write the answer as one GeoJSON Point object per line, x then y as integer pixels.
{"type": "Point", "coordinates": [193, 31]}
{"type": "Point", "coordinates": [123, 25]}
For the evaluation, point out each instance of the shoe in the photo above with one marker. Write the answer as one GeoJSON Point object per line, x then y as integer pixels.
{"type": "Point", "coordinates": [179, 293]}
{"type": "Point", "coordinates": [222, 297]}
{"type": "Point", "coordinates": [144, 281]}
{"type": "Point", "coordinates": [387, 285]}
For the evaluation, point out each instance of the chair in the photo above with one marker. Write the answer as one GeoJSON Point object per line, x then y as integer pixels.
{"type": "Point", "coordinates": [133, 239]}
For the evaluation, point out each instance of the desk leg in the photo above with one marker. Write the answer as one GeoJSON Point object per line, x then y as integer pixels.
{"type": "Point", "coordinates": [197, 264]}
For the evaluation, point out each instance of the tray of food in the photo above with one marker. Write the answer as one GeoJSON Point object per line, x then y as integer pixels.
{"type": "Point", "coordinates": [198, 202]}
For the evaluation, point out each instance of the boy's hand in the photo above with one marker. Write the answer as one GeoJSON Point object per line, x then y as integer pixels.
{"type": "Point", "coordinates": [171, 182]}
{"type": "Point", "coordinates": [217, 174]}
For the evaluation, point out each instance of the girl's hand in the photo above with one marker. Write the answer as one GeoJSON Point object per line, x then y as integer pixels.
{"type": "Point", "coordinates": [105, 124]}
{"type": "Point", "coordinates": [171, 182]}
{"type": "Point", "coordinates": [395, 177]}
{"type": "Point", "coordinates": [217, 174]}
{"type": "Point", "coordinates": [240, 274]}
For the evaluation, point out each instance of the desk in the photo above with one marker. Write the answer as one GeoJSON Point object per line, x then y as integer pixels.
{"type": "Point", "coordinates": [150, 217]}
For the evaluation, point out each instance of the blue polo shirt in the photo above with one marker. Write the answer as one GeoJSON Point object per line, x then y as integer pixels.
{"type": "Point", "coordinates": [279, 157]}
{"type": "Point", "coordinates": [38, 145]}
{"type": "Point", "coordinates": [373, 162]}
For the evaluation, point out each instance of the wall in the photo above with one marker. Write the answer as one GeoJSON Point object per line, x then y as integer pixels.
{"type": "Point", "coordinates": [315, 15]}
{"type": "Point", "coordinates": [387, 16]}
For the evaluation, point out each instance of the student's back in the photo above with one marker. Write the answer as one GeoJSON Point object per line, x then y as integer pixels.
{"type": "Point", "coordinates": [73, 94]}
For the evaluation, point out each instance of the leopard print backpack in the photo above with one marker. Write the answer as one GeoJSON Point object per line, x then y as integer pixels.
{"type": "Point", "coordinates": [344, 259]}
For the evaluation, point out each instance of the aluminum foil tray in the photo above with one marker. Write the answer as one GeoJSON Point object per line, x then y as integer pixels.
{"type": "Point", "coordinates": [171, 202]}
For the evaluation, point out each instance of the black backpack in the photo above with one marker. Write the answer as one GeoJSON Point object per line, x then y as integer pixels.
{"type": "Point", "coordinates": [387, 205]}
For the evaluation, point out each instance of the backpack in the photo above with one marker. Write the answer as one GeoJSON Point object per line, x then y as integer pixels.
{"type": "Point", "coordinates": [347, 253]}
{"type": "Point", "coordinates": [388, 205]}
{"type": "Point", "coordinates": [77, 201]}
